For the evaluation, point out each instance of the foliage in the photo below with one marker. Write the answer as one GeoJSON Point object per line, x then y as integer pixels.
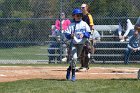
{"type": "Point", "coordinates": [46, 12]}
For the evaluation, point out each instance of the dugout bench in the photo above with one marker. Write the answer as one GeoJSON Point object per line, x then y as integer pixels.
{"type": "Point", "coordinates": [107, 51]}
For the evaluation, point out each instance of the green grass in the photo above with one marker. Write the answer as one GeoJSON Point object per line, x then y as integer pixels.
{"type": "Point", "coordinates": [63, 86]}
{"type": "Point", "coordinates": [23, 53]}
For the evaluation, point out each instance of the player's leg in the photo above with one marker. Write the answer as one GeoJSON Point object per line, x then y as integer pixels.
{"type": "Point", "coordinates": [85, 57]}
{"type": "Point", "coordinates": [86, 65]}
{"type": "Point", "coordinates": [68, 73]}
{"type": "Point", "coordinates": [64, 47]}
{"type": "Point", "coordinates": [80, 54]}
{"type": "Point", "coordinates": [81, 49]}
{"type": "Point", "coordinates": [73, 62]}
{"type": "Point", "coordinates": [51, 51]}
{"type": "Point", "coordinates": [69, 62]}
{"type": "Point", "coordinates": [131, 33]}
{"type": "Point", "coordinates": [73, 77]}
{"type": "Point", "coordinates": [81, 59]}
{"type": "Point", "coordinates": [87, 49]}
{"type": "Point", "coordinates": [127, 55]}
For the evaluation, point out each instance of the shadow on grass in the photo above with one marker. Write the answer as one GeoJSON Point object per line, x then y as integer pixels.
{"type": "Point", "coordinates": [56, 79]}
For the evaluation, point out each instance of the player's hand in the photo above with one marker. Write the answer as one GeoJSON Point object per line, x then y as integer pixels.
{"type": "Point", "coordinates": [92, 31]}
{"type": "Point", "coordinates": [72, 36]}
{"type": "Point", "coordinates": [135, 49]}
{"type": "Point", "coordinates": [120, 37]}
{"type": "Point", "coordinates": [94, 41]}
{"type": "Point", "coordinates": [81, 36]}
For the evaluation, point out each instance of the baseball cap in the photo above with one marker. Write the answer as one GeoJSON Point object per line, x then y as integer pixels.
{"type": "Point", "coordinates": [83, 5]}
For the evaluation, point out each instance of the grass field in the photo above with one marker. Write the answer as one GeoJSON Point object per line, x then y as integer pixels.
{"type": "Point", "coordinates": [23, 53]}
{"type": "Point", "coordinates": [63, 86]}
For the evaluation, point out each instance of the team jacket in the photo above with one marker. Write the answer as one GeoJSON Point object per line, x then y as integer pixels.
{"type": "Point", "coordinates": [80, 27]}
{"type": "Point", "coordinates": [88, 19]}
{"type": "Point", "coordinates": [134, 42]}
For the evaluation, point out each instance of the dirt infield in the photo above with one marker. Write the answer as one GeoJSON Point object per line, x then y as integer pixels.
{"type": "Point", "coordinates": [13, 73]}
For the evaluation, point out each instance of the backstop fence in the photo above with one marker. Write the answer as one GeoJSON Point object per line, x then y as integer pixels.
{"type": "Point", "coordinates": [26, 28]}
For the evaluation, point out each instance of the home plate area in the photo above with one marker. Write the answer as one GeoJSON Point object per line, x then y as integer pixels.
{"type": "Point", "coordinates": [13, 73]}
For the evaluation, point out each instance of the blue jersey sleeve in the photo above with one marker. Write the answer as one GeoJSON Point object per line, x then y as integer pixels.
{"type": "Point", "coordinates": [87, 34]}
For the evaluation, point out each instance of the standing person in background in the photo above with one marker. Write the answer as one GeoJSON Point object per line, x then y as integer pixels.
{"type": "Point", "coordinates": [78, 32]}
{"type": "Point", "coordinates": [56, 36]}
{"type": "Point", "coordinates": [87, 17]}
{"type": "Point", "coordinates": [65, 23]}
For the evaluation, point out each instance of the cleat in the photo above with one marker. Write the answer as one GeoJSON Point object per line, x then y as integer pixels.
{"type": "Point", "coordinates": [73, 75]}
{"type": "Point", "coordinates": [68, 74]}
{"type": "Point", "coordinates": [73, 78]}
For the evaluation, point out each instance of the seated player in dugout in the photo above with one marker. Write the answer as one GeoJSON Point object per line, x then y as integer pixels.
{"type": "Point", "coordinates": [125, 30]}
{"type": "Point", "coordinates": [134, 43]}
{"type": "Point", "coordinates": [87, 17]}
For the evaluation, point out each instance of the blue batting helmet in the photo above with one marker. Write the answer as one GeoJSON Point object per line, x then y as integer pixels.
{"type": "Point", "coordinates": [77, 11]}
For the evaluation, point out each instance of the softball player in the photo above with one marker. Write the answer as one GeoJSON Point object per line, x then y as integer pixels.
{"type": "Point", "coordinates": [78, 32]}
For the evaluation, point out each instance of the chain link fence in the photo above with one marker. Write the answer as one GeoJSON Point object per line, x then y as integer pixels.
{"type": "Point", "coordinates": [26, 27]}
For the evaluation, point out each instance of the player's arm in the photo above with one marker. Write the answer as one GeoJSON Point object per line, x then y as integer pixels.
{"type": "Point", "coordinates": [91, 22]}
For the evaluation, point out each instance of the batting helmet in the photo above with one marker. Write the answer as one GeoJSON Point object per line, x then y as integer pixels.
{"type": "Point", "coordinates": [76, 11]}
